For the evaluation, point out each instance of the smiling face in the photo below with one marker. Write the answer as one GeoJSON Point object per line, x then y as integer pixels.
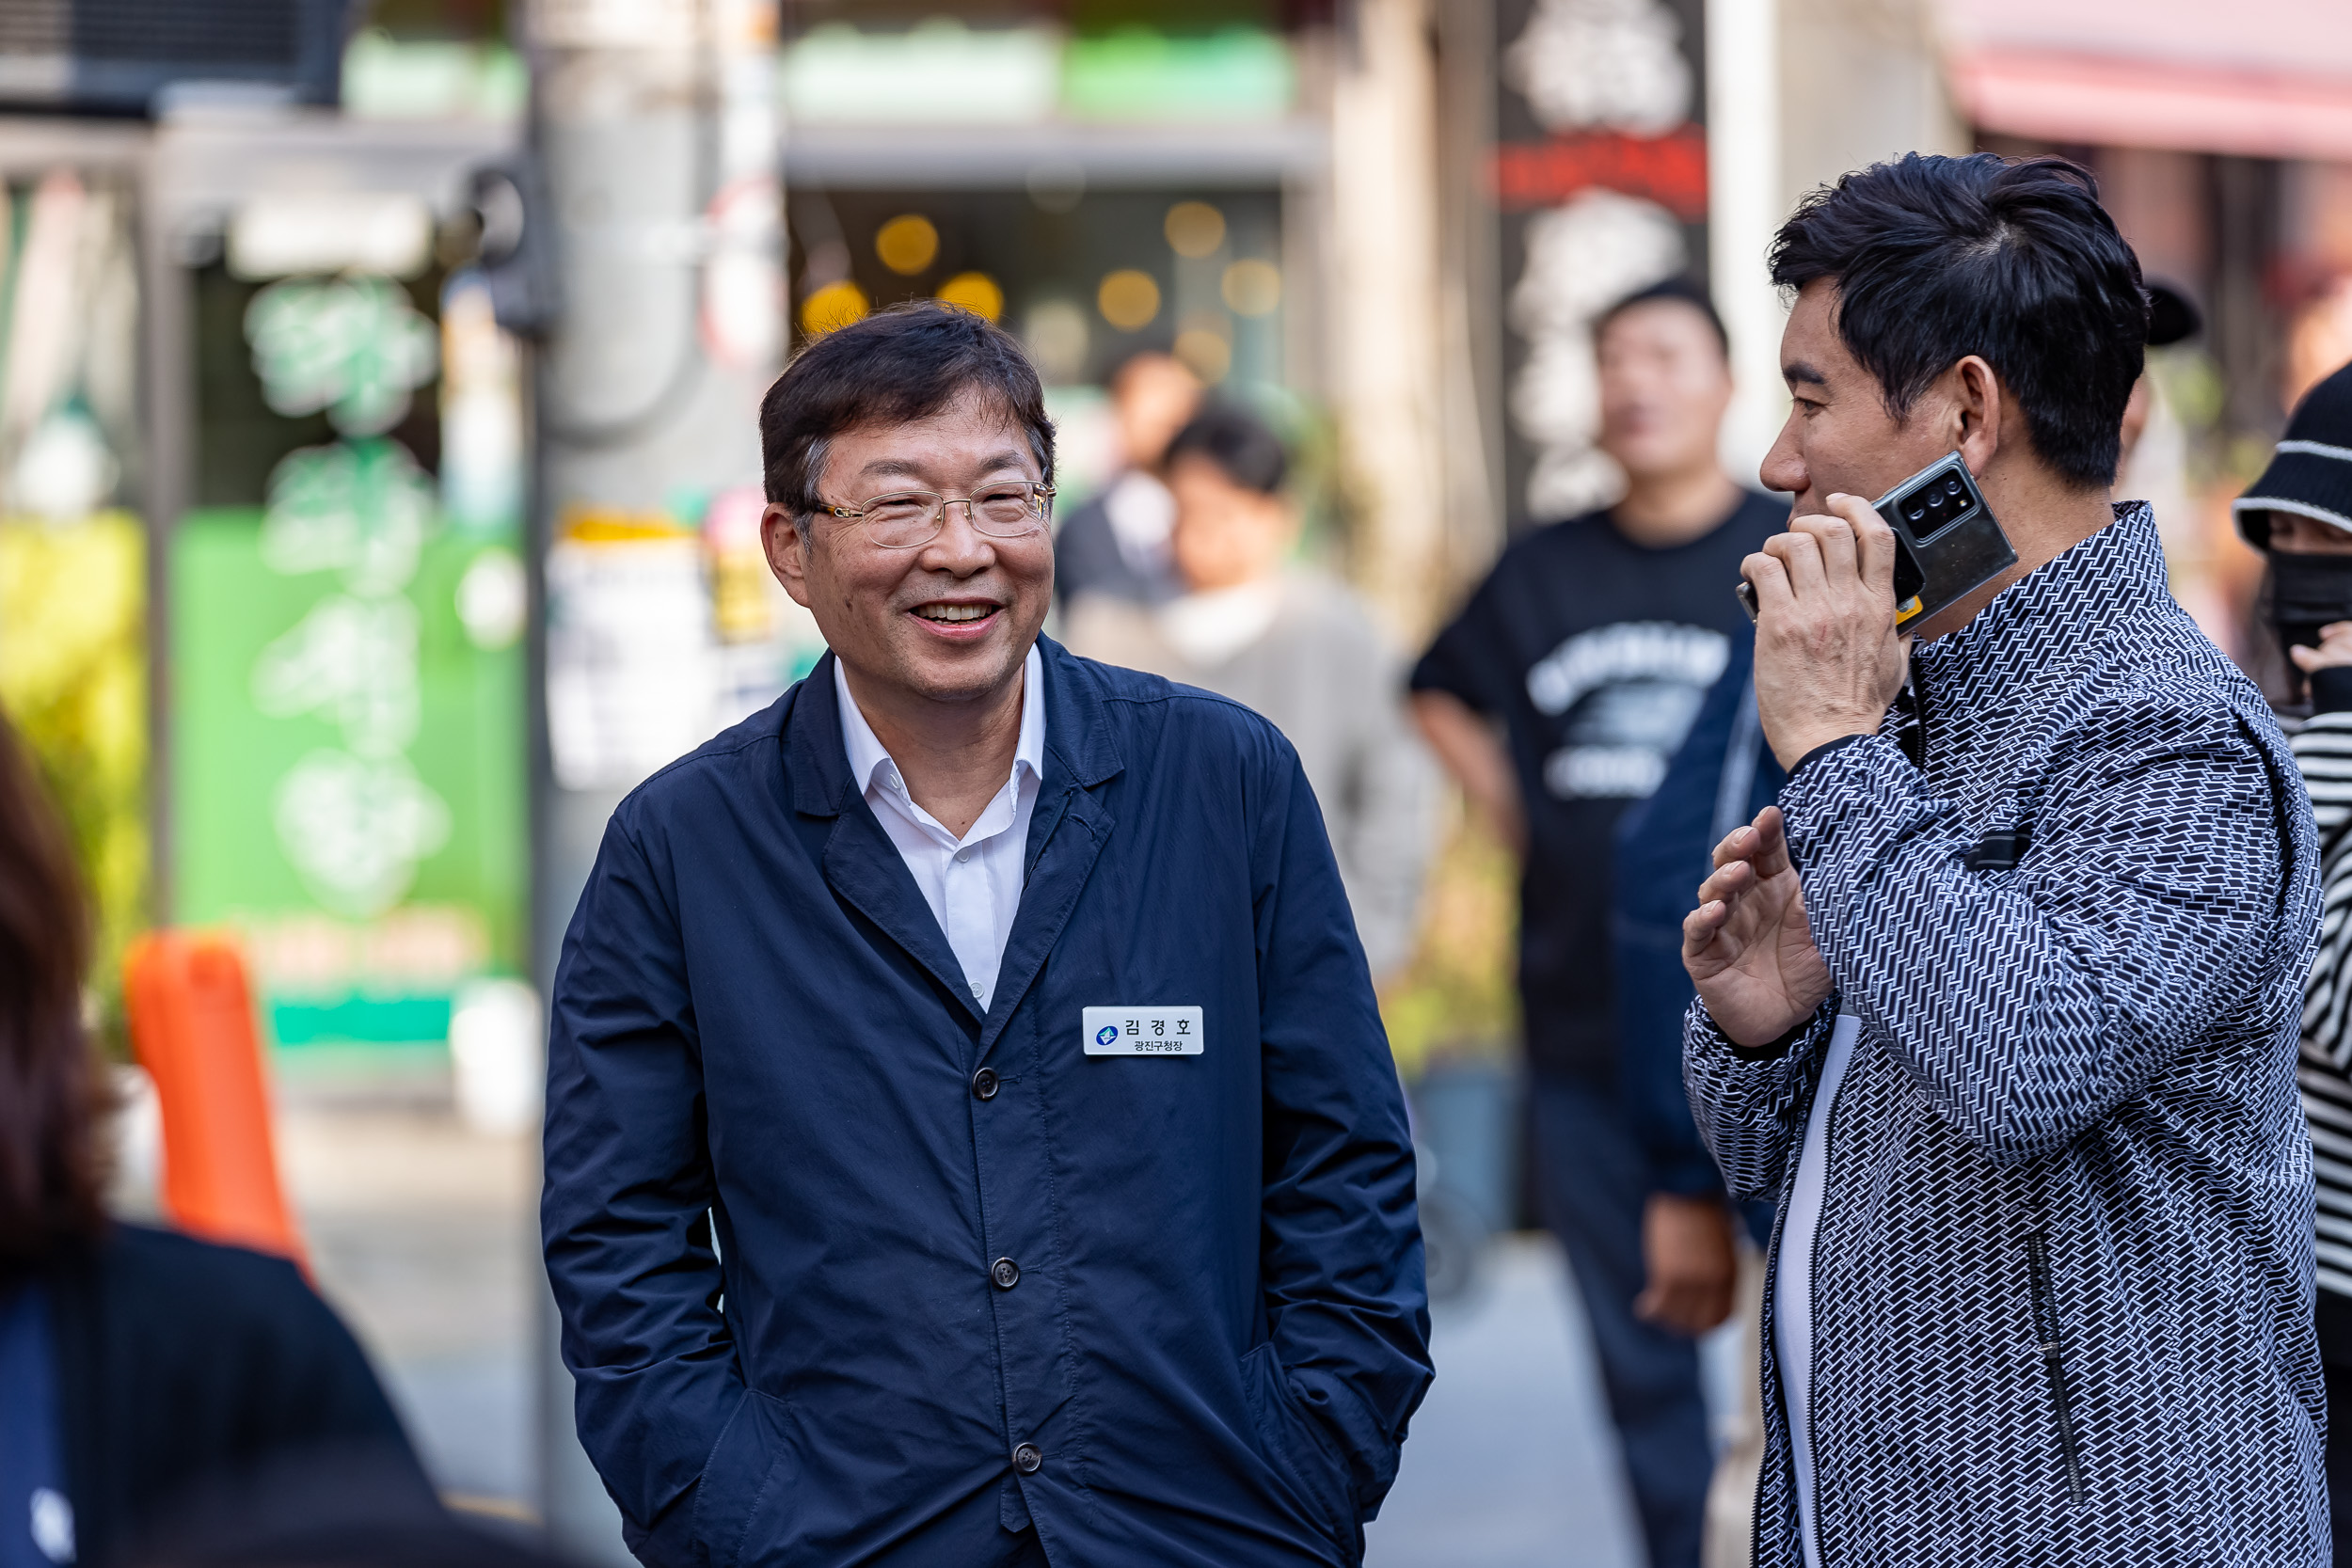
{"type": "Point", "coordinates": [1839, 438]}
{"type": "Point", "coordinates": [949, 622]}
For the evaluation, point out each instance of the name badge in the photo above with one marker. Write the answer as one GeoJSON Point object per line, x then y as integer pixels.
{"type": "Point", "coordinates": [1141, 1031]}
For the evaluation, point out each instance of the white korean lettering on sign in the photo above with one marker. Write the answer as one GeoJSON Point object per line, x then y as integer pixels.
{"type": "Point", "coordinates": [1141, 1031]}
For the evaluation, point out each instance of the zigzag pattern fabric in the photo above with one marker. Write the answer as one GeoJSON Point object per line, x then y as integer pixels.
{"type": "Point", "coordinates": [2062, 1285]}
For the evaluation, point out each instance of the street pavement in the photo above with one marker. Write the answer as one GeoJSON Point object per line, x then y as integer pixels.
{"type": "Point", "coordinates": [1510, 1463]}
{"type": "Point", "coordinates": [421, 1235]}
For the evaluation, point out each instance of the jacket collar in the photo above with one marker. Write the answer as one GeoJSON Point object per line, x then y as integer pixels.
{"type": "Point", "coordinates": [1992, 692]}
{"type": "Point", "coordinates": [1067, 832]}
{"type": "Point", "coordinates": [2047, 622]}
{"type": "Point", "coordinates": [1079, 749]}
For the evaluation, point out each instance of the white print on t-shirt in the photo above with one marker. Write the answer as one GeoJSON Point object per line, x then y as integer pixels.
{"type": "Point", "coordinates": [53, 1524]}
{"type": "Point", "coordinates": [1630, 690]}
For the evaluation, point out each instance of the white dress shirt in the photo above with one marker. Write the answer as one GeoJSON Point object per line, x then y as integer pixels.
{"type": "Point", "coordinates": [972, 883]}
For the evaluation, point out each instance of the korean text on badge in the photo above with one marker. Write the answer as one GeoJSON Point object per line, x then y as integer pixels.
{"type": "Point", "coordinates": [1140, 1031]}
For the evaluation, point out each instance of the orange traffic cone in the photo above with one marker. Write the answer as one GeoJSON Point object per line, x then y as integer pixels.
{"type": "Point", "coordinates": [191, 1015]}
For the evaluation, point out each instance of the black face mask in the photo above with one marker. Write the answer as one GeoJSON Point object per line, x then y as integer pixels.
{"type": "Point", "coordinates": [2308, 592]}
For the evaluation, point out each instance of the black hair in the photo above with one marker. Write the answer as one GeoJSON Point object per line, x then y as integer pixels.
{"type": "Point", "coordinates": [1683, 290]}
{"type": "Point", "coordinates": [1936, 258]}
{"type": "Point", "coordinates": [897, 365]}
{"type": "Point", "coordinates": [1241, 446]}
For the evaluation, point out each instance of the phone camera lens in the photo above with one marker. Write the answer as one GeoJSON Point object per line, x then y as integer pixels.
{"type": "Point", "coordinates": [1951, 487]}
{"type": "Point", "coordinates": [1917, 513]}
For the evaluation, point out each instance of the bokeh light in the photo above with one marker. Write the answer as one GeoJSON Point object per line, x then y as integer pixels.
{"type": "Point", "coordinates": [1194, 228]}
{"type": "Point", "coordinates": [1128, 299]}
{"type": "Point", "coordinates": [1206, 351]}
{"type": "Point", "coordinates": [907, 243]}
{"type": "Point", "coordinates": [836, 304]}
{"type": "Point", "coordinates": [976, 293]}
{"type": "Point", "coordinates": [1252, 288]}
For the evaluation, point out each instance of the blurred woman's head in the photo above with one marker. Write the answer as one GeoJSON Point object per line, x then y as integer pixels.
{"type": "Point", "coordinates": [50, 1168]}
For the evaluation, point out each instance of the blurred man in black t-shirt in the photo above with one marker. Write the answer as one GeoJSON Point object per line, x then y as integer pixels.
{"type": "Point", "coordinates": [1556, 698]}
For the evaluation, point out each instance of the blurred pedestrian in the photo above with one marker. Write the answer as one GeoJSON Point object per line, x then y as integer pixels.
{"type": "Point", "coordinates": [2172, 318]}
{"type": "Point", "coordinates": [970, 1134]}
{"type": "Point", "coordinates": [330, 1509]}
{"type": "Point", "coordinates": [1998, 1002]}
{"type": "Point", "coordinates": [1296, 644]}
{"type": "Point", "coordinates": [2300, 514]}
{"type": "Point", "coordinates": [135, 1365]}
{"type": "Point", "coordinates": [1116, 545]}
{"type": "Point", "coordinates": [1556, 698]}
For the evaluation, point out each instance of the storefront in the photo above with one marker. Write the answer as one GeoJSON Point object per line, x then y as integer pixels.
{"type": "Point", "coordinates": [265, 458]}
{"type": "Point", "coordinates": [1154, 186]}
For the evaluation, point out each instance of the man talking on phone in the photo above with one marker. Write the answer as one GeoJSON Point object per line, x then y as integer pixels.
{"type": "Point", "coordinates": [2001, 1001]}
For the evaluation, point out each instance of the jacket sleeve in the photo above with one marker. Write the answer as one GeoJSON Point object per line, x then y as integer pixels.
{"type": "Point", "coordinates": [1751, 1105]}
{"type": "Point", "coordinates": [623, 1213]}
{"type": "Point", "coordinates": [1340, 1252]}
{"type": "Point", "coordinates": [2027, 1004]}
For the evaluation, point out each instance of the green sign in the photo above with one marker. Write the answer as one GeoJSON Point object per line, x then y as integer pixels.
{"type": "Point", "coordinates": [348, 746]}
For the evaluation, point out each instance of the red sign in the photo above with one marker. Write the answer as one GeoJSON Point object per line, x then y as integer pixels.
{"type": "Point", "coordinates": [1670, 169]}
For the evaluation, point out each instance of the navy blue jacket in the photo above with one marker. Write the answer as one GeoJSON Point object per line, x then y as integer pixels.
{"type": "Point", "coordinates": [1218, 1325]}
{"type": "Point", "coordinates": [1721, 776]}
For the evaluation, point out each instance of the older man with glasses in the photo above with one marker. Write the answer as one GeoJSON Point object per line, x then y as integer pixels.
{"type": "Point", "coordinates": [970, 1136]}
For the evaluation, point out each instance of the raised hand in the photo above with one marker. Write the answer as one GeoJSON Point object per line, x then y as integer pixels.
{"type": "Point", "coordinates": [1747, 945]}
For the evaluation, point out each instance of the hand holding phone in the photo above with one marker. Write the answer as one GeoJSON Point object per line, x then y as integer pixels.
{"type": "Point", "coordinates": [1948, 542]}
{"type": "Point", "coordinates": [1829, 660]}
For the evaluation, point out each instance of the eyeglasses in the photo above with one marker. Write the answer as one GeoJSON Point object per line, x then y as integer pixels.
{"type": "Point", "coordinates": [906, 519]}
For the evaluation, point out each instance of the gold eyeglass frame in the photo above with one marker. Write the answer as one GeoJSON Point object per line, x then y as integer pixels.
{"type": "Point", "coordinates": [1040, 511]}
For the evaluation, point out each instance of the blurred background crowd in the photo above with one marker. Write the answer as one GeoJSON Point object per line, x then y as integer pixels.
{"type": "Point", "coordinates": [379, 497]}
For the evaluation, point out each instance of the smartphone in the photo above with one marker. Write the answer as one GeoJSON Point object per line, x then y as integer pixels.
{"type": "Point", "coordinates": [1947, 543]}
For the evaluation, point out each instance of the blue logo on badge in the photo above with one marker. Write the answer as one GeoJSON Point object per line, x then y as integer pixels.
{"type": "Point", "coordinates": [1106, 1034]}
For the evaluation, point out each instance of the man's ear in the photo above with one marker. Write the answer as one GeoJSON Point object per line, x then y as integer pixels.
{"type": "Point", "coordinates": [1979, 404]}
{"type": "Point", "coordinates": [785, 541]}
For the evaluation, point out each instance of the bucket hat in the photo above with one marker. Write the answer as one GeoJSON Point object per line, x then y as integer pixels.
{"type": "Point", "coordinates": [2311, 471]}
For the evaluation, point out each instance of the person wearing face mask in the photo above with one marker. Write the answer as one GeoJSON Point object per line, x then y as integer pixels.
{"type": "Point", "coordinates": [2300, 514]}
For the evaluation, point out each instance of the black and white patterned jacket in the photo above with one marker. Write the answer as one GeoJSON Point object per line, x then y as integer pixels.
{"type": "Point", "coordinates": [2070, 1119]}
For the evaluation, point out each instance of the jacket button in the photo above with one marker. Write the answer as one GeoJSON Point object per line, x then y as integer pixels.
{"type": "Point", "coordinates": [1006, 1273]}
{"type": "Point", "coordinates": [984, 1083]}
{"type": "Point", "coordinates": [1027, 1459]}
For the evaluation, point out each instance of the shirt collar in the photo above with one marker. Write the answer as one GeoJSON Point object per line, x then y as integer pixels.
{"type": "Point", "coordinates": [871, 765]}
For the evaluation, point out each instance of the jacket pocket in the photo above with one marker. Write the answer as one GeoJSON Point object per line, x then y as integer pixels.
{"type": "Point", "coordinates": [2045, 1333]}
{"type": "Point", "coordinates": [742, 1477]}
{"type": "Point", "coordinates": [1302, 1459]}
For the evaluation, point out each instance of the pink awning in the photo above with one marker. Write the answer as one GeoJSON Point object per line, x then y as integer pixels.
{"type": "Point", "coordinates": [2267, 78]}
